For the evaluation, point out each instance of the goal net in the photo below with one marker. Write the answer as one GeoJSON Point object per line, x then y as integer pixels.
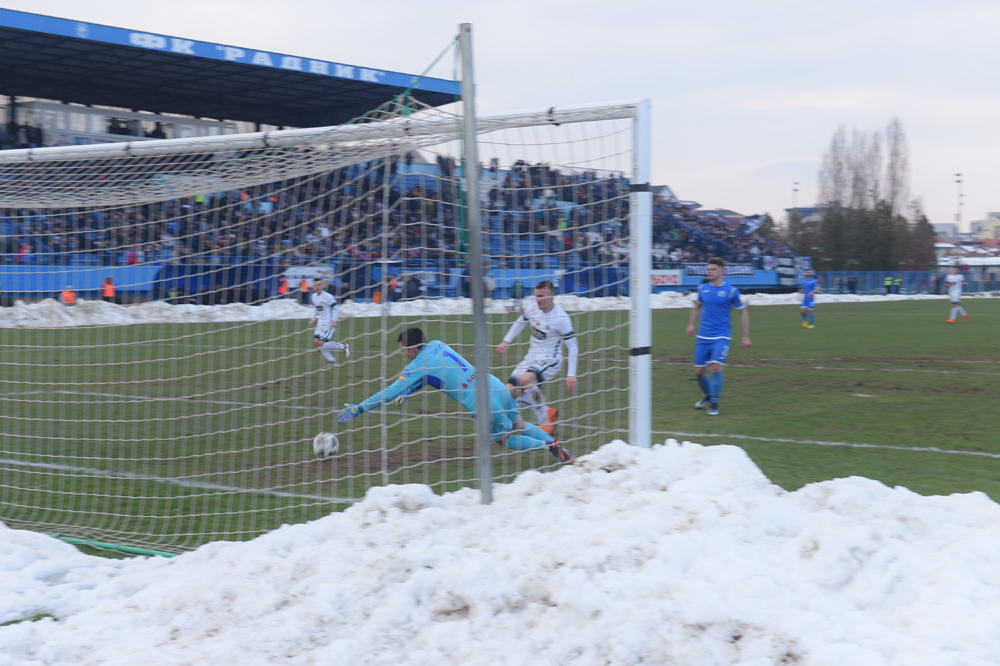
{"type": "Point", "coordinates": [178, 405]}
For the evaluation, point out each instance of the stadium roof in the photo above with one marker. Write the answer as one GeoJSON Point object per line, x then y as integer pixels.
{"type": "Point", "coordinates": [88, 63]}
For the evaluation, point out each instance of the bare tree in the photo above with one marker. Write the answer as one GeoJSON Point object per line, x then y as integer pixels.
{"type": "Point", "coordinates": [865, 194]}
{"type": "Point", "coordinates": [855, 175]}
{"type": "Point", "coordinates": [897, 166]}
{"type": "Point", "coordinates": [833, 175]}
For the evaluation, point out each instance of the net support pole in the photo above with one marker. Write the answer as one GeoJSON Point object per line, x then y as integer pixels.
{"type": "Point", "coordinates": [475, 266]}
{"type": "Point", "coordinates": [640, 282]}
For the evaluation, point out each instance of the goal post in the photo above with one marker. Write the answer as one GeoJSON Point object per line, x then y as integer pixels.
{"type": "Point", "coordinates": [182, 410]}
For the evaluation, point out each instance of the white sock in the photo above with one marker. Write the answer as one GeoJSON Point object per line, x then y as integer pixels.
{"type": "Point", "coordinates": [338, 346]}
{"type": "Point", "coordinates": [534, 400]}
{"type": "Point", "coordinates": [326, 354]}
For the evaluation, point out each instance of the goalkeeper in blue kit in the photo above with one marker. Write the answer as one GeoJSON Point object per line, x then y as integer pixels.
{"type": "Point", "coordinates": [437, 365]}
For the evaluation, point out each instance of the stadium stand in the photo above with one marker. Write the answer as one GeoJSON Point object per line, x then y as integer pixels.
{"type": "Point", "coordinates": [536, 217]}
{"type": "Point", "coordinates": [565, 221]}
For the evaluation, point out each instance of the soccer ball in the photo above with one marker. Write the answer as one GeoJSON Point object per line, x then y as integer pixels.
{"type": "Point", "coordinates": [325, 444]}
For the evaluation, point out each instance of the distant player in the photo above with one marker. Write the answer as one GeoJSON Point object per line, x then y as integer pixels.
{"type": "Point", "coordinates": [551, 328]}
{"type": "Point", "coordinates": [437, 365]}
{"type": "Point", "coordinates": [808, 307]}
{"type": "Point", "coordinates": [325, 321]}
{"type": "Point", "coordinates": [715, 301]}
{"type": "Point", "coordinates": [954, 283]}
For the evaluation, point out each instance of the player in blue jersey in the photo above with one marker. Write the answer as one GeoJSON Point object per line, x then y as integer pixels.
{"type": "Point", "coordinates": [437, 365]}
{"type": "Point", "coordinates": [808, 307]}
{"type": "Point", "coordinates": [715, 301]}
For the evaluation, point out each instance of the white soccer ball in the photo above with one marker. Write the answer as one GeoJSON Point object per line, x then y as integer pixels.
{"type": "Point", "coordinates": [325, 444]}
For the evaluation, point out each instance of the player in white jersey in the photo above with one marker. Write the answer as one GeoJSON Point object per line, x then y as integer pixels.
{"type": "Point", "coordinates": [551, 328]}
{"type": "Point", "coordinates": [327, 312]}
{"type": "Point", "coordinates": [954, 283]}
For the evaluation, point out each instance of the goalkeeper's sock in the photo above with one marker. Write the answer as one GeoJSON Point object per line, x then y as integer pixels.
{"type": "Point", "coordinates": [531, 437]}
{"type": "Point", "coordinates": [523, 443]}
{"type": "Point", "coordinates": [534, 432]}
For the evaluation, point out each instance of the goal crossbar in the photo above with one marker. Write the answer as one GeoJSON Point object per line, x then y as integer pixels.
{"type": "Point", "coordinates": [397, 129]}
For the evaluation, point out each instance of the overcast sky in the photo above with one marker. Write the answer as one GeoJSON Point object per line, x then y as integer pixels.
{"type": "Point", "coordinates": [746, 96]}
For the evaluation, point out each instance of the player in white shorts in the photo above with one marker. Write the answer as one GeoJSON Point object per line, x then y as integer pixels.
{"type": "Point", "coordinates": [327, 312]}
{"type": "Point", "coordinates": [551, 328]}
{"type": "Point", "coordinates": [954, 283]}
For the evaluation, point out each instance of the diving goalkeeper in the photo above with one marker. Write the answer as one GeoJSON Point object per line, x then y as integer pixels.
{"type": "Point", "coordinates": [437, 365]}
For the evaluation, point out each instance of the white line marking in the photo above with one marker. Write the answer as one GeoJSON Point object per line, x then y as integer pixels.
{"type": "Point", "coordinates": [769, 366]}
{"type": "Point", "coordinates": [171, 481]}
{"type": "Point", "coordinates": [855, 445]}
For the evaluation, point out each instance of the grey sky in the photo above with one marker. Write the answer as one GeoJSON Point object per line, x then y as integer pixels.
{"type": "Point", "coordinates": [746, 96]}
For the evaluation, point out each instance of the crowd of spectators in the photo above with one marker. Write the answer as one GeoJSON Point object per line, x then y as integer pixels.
{"type": "Point", "coordinates": [534, 216]}
{"type": "Point", "coordinates": [682, 234]}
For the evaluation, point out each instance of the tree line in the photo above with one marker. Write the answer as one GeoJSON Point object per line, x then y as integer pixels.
{"type": "Point", "coordinates": [864, 186]}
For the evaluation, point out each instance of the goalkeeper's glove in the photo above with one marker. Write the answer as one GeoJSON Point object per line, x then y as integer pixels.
{"type": "Point", "coordinates": [348, 413]}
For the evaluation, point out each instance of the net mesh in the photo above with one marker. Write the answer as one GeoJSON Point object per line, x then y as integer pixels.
{"type": "Point", "coordinates": [181, 408]}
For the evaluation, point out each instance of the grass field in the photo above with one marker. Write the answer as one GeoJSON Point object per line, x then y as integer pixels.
{"type": "Point", "coordinates": [166, 436]}
{"type": "Point", "coordinates": [888, 391]}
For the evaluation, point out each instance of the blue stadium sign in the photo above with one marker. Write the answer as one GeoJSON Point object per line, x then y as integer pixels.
{"type": "Point", "coordinates": [177, 45]}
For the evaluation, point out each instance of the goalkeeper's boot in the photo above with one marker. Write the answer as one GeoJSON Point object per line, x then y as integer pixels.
{"type": "Point", "coordinates": [965, 319]}
{"type": "Point", "coordinates": [549, 428]}
{"type": "Point", "coordinates": [347, 350]}
{"type": "Point", "coordinates": [561, 454]}
{"type": "Point", "coordinates": [703, 403]}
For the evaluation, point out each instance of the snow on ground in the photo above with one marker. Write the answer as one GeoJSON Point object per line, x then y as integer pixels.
{"type": "Point", "coordinates": [679, 554]}
{"type": "Point", "coordinates": [49, 313]}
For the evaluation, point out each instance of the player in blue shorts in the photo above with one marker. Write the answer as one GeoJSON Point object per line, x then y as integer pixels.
{"type": "Point", "coordinates": [715, 301]}
{"type": "Point", "coordinates": [437, 365]}
{"type": "Point", "coordinates": [808, 307]}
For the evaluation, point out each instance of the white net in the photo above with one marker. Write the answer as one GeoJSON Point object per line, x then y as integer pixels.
{"type": "Point", "coordinates": [181, 408]}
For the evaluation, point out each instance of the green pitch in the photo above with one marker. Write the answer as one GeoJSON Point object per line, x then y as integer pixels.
{"type": "Point", "coordinates": [887, 391]}
{"type": "Point", "coordinates": [168, 436]}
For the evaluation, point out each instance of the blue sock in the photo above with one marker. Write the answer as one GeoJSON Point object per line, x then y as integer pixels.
{"type": "Point", "coordinates": [812, 318]}
{"type": "Point", "coordinates": [533, 437]}
{"type": "Point", "coordinates": [523, 443]}
{"type": "Point", "coordinates": [716, 386]}
{"type": "Point", "coordinates": [534, 432]}
{"type": "Point", "coordinates": [706, 387]}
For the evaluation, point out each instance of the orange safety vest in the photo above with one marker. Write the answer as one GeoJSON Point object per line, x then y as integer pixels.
{"type": "Point", "coordinates": [108, 289]}
{"type": "Point", "coordinates": [68, 297]}
{"type": "Point", "coordinates": [282, 286]}
{"type": "Point", "coordinates": [303, 286]}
